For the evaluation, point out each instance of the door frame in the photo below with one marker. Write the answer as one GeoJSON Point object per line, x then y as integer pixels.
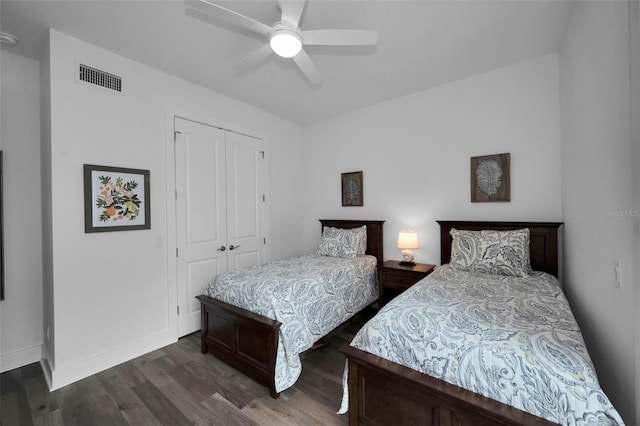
{"type": "Point", "coordinates": [171, 231]}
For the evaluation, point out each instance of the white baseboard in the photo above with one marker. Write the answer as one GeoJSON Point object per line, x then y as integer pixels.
{"type": "Point", "coordinates": [20, 358]}
{"type": "Point", "coordinates": [64, 375]}
{"type": "Point", "coordinates": [45, 364]}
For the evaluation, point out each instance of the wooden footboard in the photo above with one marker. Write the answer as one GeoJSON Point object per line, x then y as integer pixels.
{"type": "Point", "coordinates": [382, 392]}
{"type": "Point", "coordinates": [243, 339]}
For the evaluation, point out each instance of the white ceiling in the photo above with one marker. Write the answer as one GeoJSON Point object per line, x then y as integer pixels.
{"type": "Point", "coordinates": [421, 44]}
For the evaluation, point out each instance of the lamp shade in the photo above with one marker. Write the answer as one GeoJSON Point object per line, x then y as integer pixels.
{"type": "Point", "coordinates": [408, 239]}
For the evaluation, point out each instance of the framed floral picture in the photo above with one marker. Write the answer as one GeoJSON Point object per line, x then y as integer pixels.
{"type": "Point", "coordinates": [116, 199]}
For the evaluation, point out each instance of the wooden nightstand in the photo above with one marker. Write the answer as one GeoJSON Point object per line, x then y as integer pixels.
{"type": "Point", "coordinates": [397, 278]}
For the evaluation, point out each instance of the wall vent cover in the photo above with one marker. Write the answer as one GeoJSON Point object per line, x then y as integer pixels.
{"type": "Point", "coordinates": [100, 78]}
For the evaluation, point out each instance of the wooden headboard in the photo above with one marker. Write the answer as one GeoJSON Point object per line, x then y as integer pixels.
{"type": "Point", "coordinates": [374, 234]}
{"type": "Point", "coordinates": [543, 245]}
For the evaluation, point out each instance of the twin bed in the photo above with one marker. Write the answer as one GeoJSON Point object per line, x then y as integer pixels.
{"type": "Point", "coordinates": [477, 342]}
{"type": "Point", "coordinates": [274, 312]}
{"type": "Point", "coordinates": [483, 340]}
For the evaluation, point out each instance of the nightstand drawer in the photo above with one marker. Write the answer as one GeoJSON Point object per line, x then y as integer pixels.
{"type": "Point", "coordinates": [399, 281]}
{"type": "Point", "coordinates": [397, 277]}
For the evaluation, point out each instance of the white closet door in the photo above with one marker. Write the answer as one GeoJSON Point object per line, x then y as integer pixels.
{"type": "Point", "coordinates": [245, 202]}
{"type": "Point", "coordinates": [201, 215]}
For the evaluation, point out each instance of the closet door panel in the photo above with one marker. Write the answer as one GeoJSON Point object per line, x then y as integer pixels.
{"type": "Point", "coordinates": [201, 215]}
{"type": "Point", "coordinates": [245, 200]}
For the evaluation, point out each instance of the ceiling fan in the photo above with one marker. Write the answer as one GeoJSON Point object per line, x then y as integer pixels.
{"type": "Point", "coordinates": [285, 37]}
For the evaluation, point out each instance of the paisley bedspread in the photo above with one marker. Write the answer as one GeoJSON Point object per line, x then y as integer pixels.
{"type": "Point", "coordinates": [310, 295]}
{"type": "Point", "coordinates": [512, 339]}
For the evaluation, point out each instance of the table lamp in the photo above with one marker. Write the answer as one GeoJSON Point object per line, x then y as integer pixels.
{"type": "Point", "coordinates": [407, 240]}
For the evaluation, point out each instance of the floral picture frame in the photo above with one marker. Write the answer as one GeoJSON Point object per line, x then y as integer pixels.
{"type": "Point", "coordinates": [116, 199]}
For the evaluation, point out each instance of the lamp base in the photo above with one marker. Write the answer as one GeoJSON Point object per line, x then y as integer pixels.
{"type": "Point", "coordinates": [407, 257]}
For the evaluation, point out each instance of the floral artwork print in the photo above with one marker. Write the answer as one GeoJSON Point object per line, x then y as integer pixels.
{"type": "Point", "coordinates": [117, 200]}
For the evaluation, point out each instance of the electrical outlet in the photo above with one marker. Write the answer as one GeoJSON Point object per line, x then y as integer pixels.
{"type": "Point", "coordinates": [618, 272]}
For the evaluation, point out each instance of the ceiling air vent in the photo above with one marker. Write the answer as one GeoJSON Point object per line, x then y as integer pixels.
{"type": "Point", "coordinates": [100, 78]}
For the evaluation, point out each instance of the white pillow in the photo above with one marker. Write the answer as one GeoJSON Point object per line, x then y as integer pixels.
{"type": "Point", "coordinates": [345, 243]}
{"type": "Point", "coordinates": [491, 252]}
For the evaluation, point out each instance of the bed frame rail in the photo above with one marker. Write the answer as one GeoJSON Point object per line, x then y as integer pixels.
{"type": "Point", "coordinates": [382, 392]}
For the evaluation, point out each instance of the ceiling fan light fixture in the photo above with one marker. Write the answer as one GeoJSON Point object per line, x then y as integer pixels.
{"type": "Point", "coordinates": [8, 39]}
{"type": "Point", "coordinates": [285, 42]}
{"type": "Point", "coordinates": [286, 39]}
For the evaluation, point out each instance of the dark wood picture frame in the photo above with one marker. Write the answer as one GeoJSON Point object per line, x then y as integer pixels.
{"type": "Point", "coordinates": [352, 189]}
{"type": "Point", "coordinates": [490, 178]}
{"type": "Point", "coordinates": [118, 199]}
{"type": "Point", "coordinates": [1, 233]}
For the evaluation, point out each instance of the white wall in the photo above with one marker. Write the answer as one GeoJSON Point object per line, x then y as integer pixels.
{"type": "Point", "coordinates": [21, 311]}
{"type": "Point", "coordinates": [48, 351]}
{"type": "Point", "coordinates": [597, 187]}
{"type": "Point", "coordinates": [415, 155]}
{"type": "Point", "coordinates": [112, 298]}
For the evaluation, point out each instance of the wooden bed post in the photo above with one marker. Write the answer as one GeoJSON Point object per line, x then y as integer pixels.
{"type": "Point", "coordinates": [204, 332]}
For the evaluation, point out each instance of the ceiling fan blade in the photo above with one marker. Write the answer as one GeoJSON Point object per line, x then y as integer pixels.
{"type": "Point", "coordinates": [307, 67]}
{"type": "Point", "coordinates": [291, 11]}
{"type": "Point", "coordinates": [340, 37]}
{"type": "Point", "coordinates": [252, 59]}
{"type": "Point", "coordinates": [230, 16]}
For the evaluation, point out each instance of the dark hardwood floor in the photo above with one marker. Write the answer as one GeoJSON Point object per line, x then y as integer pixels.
{"type": "Point", "coordinates": [177, 385]}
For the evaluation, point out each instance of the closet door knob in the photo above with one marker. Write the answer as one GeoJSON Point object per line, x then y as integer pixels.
{"type": "Point", "coordinates": [222, 248]}
{"type": "Point", "coordinates": [232, 247]}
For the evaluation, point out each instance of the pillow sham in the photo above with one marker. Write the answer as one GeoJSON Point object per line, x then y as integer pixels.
{"type": "Point", "coordinates": [345, 243]}
{"type": "Point", "coordinates": [491, 252]}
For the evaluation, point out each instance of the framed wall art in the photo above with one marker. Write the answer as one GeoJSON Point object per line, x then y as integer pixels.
{"type": "Point", "coordinates": [352, 189]}
{"type": "Point", "coordinates": [490, 178]}
{"type": "Point", "coordinates": [116, 199]}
